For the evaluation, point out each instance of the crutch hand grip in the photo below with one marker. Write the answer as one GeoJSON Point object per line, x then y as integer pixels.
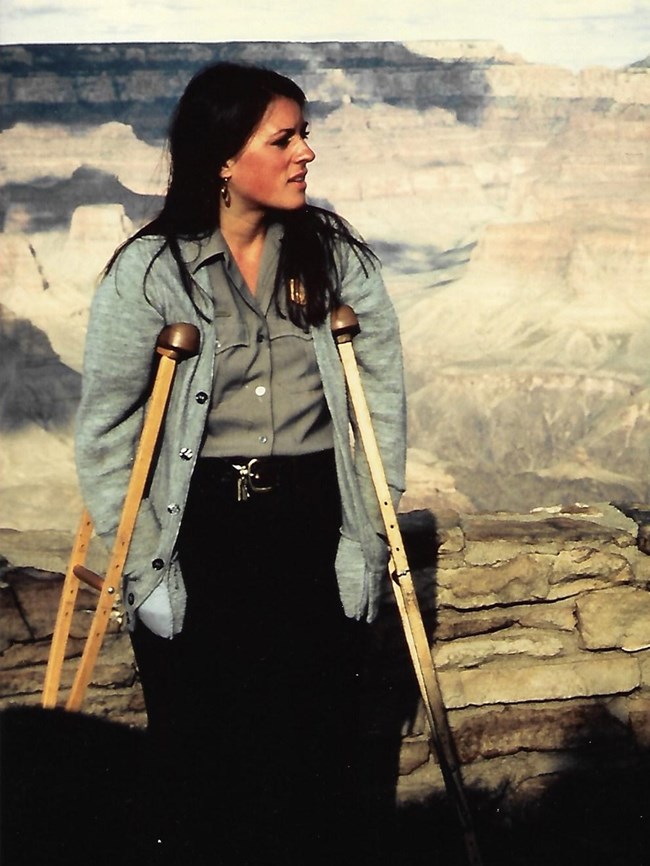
{"type": "Point", "coordinates": [90, 578]}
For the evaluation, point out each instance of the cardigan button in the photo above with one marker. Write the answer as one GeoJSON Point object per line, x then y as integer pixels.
{"type": "Point", "coordinates": [186, 454]}
{"type": "Point", "coordinates": [157, 564]}
{"type": "Point", "coordinates": [130, 598]}
{"type": "Point", "coordinates": [201, 397]}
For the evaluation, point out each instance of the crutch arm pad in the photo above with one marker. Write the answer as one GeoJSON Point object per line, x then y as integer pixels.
{"type": "Point", "coordinates": [179, 341]}
{"type": "Point", "coordinates": [345, 324]}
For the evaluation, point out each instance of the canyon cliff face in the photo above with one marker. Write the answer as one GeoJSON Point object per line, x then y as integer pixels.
{"type": "Point", "coordinates": [508, 202]}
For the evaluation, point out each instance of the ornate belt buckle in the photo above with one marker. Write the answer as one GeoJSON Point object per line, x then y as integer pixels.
{"type": "Point", "coordinates": [253, 479]}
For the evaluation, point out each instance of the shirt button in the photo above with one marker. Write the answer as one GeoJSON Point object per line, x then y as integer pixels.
{"type": "Point", "coordinates": [260, 338]}
{"type": "Point", "coordinates": [173, 508]}
{"type": "Point", "coordinates": [186, 454]}
{"type": "Point", "coordinates": [130, 598]}
{"type": "Point", "coordinates": [260, 390]}
{"type": "Point", "coordinates": [264, 439]}
{"type": "Point", "coordinates": [201, 397]}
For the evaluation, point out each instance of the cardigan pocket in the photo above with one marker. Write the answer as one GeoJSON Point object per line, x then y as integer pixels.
{"type": "Point", "coordinates": [351, 576]}
{"type": "Point", "coordinates": [155, 612]}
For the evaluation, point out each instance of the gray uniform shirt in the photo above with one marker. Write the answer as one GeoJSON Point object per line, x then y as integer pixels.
{"type": "Point", "coordinates": [268, 397]}
{"type": "Point", "coordinates": [140, 296]}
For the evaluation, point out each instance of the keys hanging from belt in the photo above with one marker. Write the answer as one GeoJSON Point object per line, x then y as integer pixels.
{"type": "Point", "coordinates": [242, 482]}
{"type": "Point", "coordinates": [249, 480]}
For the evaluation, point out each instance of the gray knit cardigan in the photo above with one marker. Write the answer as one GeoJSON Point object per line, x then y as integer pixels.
{"type": "Point", "coordinates": [127, 314]}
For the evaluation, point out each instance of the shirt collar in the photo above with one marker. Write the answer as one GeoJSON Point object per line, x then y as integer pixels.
{"type": "Point", "coordinates": [202, 252]}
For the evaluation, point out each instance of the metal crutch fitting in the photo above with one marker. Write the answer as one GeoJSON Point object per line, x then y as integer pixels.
{"type": "Point", "coordinates": [175, 343]}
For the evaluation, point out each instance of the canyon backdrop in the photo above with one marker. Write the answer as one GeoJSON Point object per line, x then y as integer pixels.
{"type": "Point", "coordinates": [509, 202]}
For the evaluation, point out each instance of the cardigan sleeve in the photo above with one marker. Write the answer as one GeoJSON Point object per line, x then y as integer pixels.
{"type": "Point", "coordinates": [118, 371]}
{"type": "Point", "coordinates": [378, 354]}
{"type": "Point", "coordinates": [363, 552]}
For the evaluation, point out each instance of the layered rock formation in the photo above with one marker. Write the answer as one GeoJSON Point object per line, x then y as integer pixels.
{"type": "Point", "coordinates": [509, 205]}
{"type": "Point", "coordinates": [508, 202]}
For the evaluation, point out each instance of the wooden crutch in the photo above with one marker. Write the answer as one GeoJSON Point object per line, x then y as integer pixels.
{"type": "Point", "coordinates": [175, 343]}
{"type": "Point", "coordinates": [345, 326]}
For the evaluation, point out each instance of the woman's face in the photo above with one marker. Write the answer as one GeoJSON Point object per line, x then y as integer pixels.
{"type": "Point", "coordinates": [270, 170]}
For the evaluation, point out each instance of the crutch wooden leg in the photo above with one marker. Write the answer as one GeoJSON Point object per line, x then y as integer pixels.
{"type": "Point", "coordinates": [65, 612]}
{"type": "Point", "coordinates": [175, 343]}
{"type": "Point", "coordinates": [345, 326]}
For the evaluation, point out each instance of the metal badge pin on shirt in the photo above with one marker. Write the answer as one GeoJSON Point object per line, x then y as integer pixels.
{"type": "Point", "coordinates": [297, 292]}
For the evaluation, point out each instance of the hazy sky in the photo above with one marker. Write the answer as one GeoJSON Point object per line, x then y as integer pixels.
{"type": "Point", "coordinates": [571, 33]}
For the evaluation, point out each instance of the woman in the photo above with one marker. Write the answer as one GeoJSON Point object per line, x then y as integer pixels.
{"type": "Point", "coordinates": [257, 556]}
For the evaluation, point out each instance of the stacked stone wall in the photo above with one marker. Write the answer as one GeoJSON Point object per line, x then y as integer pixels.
{"type": "Point", "coordinates": [540, 628]}
{"type": "Point", "coordinates": [541, 639]}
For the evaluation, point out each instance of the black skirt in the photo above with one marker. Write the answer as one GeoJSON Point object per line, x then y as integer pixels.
{"type": "Point", "coordinates": [254, 709]}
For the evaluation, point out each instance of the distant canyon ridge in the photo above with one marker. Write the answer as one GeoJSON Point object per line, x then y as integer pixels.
{"type": "Point", "coordinates": [509, 203]}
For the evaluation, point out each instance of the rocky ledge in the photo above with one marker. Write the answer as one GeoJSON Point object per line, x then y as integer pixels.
{"type": "Point", "coordinates": [540, 632]}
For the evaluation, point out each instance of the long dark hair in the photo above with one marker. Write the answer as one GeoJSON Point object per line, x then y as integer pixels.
{"type": "Point", "coordinates": [219, 110]}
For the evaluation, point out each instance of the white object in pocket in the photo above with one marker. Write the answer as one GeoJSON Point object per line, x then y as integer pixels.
{"type": "Point", "coordinates": [156, 612]}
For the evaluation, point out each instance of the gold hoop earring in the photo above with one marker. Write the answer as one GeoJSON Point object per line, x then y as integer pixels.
{"type": "Point", "coordinates": [225, 192]}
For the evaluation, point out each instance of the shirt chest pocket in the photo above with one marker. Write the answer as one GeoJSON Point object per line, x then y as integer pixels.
{"type": "Point", "coordinates": [231, 332]}
{"type": "Point", "coordinates": [293, 360]}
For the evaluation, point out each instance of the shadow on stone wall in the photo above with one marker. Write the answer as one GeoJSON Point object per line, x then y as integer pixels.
{"type": "Point", "coordinates": [597, 814]}
{"type": "Point", "coordinates": [70, 786]}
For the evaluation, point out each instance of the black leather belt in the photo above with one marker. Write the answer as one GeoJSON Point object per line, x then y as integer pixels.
{"type": "Point", "coordinates": [259, 475]}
